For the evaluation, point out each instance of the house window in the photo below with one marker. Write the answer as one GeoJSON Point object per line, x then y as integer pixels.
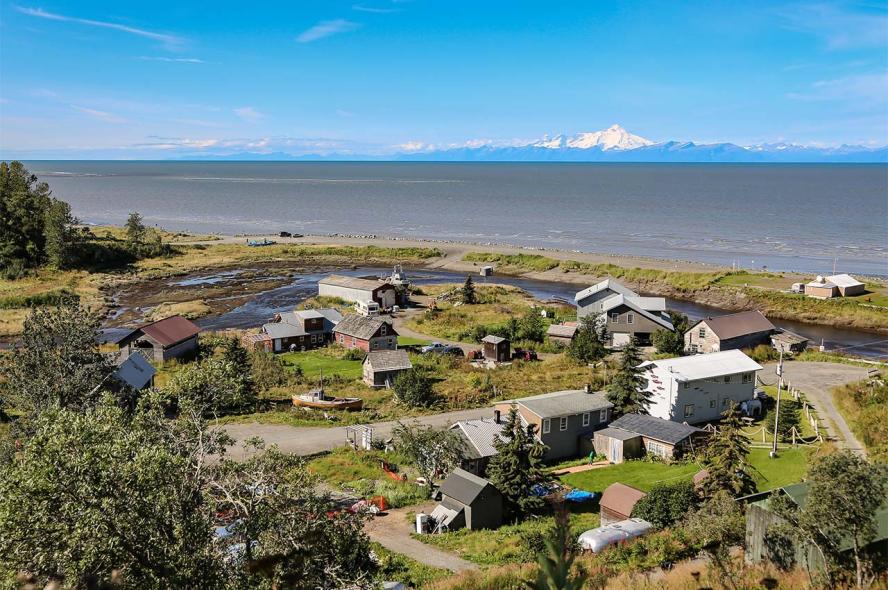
{"type": "Point", "coordinates": [314, 338]}
{"type": "Point", "coordinates": [701, 333]}
{"type": "Point", "coordinates": [689, 410]}
{"type": "Point", "coordinates": [341, 339]}
{"type": "Point", "coordinates": [727, 378]}
{"type": "Point", "coordinates": [655, 448]}
{"type": "Point", "coordinates": [354, 342]}
{"type": "Point", "coordinates": [615, 317]}
{"type": "Point", "coordinates": [547, 426]}
{"type": "Point", "coordinates": [712, 403]}
{"type": "Point", "coordinates": [686, 384]}
{"type": "Point", "coordinates": [562, 423]}
{"type": "Point", "coordinates": [747, 377]}
{"type": "Point", "coordinates": [694, 349]}
{"type": "Point", "coordinates": [382, 330]}
{"type": "Point", "coordinates": [602, 415]}
{"type": "Point", "coordinates": [630, 318]}
{"type": "Point", "coordinates": [586, 419]}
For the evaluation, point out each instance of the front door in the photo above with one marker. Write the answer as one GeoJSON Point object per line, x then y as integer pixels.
{"type": "Point", "coordinates": [277, 344]}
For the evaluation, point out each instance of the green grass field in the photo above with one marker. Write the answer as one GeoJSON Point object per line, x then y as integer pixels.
{"type": "Point", "coordinates": [638, 474]}
{"type": "Point", "coordinates": [790, 466]}
{"type": "Point", "coordinates": [315, 362]}
{"type": "Point", "coordinates": [407, 341]}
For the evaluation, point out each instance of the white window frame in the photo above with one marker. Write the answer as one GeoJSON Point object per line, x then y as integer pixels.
{"type": "Point", "coordinates": [655, 448]}
{"type": "Point", "coordinates": [547, 425]}
{"type": "Point", "coordinates": [615, 317]}
{"type": "Point", "coordinates": [602, 415]}
{"type": "Point", "coordinates": [747, 377]}
{"type": "Point", "coordinates": [630, 318]}
{"type": "Point", "coordinates": [562, 423]}
{"type": "Point", "coordinates": [690, 407]}
{"type": "Point", "coordinates": [586, 419]}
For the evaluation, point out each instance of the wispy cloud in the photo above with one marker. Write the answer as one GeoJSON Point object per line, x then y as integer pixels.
{"type": "Point", "coordinates": [248, 113]}
{"type": "Point", "coordinates": [842, 27]}
{"type": "Point", "coordinates": [862, 90]}
{"type": "Point", "coordinates": [345, 114]}
{"type": "Point", "coordinates": [101, 115]}
{"type": "Point", "coordinates": [165, 38]}
{"type": "Point", "coordinates": [374, 9]}
{"type": "Point", "coordinates": [178, 60]}
{"type": "Point", "coordinates": [327, 28]}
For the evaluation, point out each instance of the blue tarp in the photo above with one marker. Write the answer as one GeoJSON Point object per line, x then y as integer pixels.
{"type": "Point", "coordinates": [539, 490]}
{"type": "Point", "coordinates": [580, 496]}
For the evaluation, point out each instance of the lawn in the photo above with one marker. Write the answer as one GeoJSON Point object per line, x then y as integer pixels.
{"type": "Point", "coordinates": [407, 341]}
{"type": "Point", "coordinates": [766, 420]}
{"type": "Point", "coordinates": [516, 543]}
{"type": "Point", "coordinates": [316, 362]}
{"type": "Point", "coordinates": [639, 474]}
{"type": "Point", "coordinates": [790, 466]}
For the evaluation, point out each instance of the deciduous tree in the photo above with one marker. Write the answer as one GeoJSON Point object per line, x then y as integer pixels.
{"type": "Point", "coordinates": [23, 205]}
{"type": "Point", "coordinates": [413, 388]}
{"type": "Point", "coordinates": [433, 451]}
{"type": "Point", "coordinates": [587, 345]}
{"type": "Point", "coordinates": [666, 504]}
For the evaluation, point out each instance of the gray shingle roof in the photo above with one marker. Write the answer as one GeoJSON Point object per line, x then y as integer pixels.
{"type": "Point", "coordinates": [564, 403]}
{"type": "Point", "coordinates": [362, 327]}
{"type": "Point", "coordinates": [388, 360]}
{"type": "Point", "coordinates": [561, 331]}
{"type": "Point", "coordinates": [462, 486]}
{"type": "Point", "coordinates": [480, 435]}
{"type": "Point", "coordinates": [737, 324]}
{"type": "Point", "coordinates": [656, 428]}
{"type": "Point", "coordinates": [617, 433]}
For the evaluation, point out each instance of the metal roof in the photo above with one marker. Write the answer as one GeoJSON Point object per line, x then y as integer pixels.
{"type": "Point", "coordinates": [490, 338]}
{"type": "Point", "coordinates": [169, 331]}
{"type": "Point", "coordinates": [135, 371]}
{"type": "Point", "coordinates": [620, 498]}
{"type": "Point", "coordinates": [605, 284]}
{"type": "Point", "coordinates": [480, 434]}
{"type": "Point", "coordinates": [737, 324]}
{"type": "Point", "coordinates": [787, 337]}
{"type": "Point", "coordinates": [352, 282]}
{"type": "Point", "coordinates": [561, 330]}
{"type": "Point", "coordinates": [362, 327]}
{"type": "Point", "coordinates": [463, 486]}
{"type": "Point", "coordinates": [564, 403]}
{"type": "Point", "coordinates": [659, 429]}
{"type": "Point", "coordinates": [706, 366]}
{"type": "Point", "coordinates": [388, 360]}
{"type": "Point", "coordinates": [843, 280]}
{"type": "Point", "coordinates": [283, 330]}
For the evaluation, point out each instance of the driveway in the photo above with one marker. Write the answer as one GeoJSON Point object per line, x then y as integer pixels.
{"type": "Point", "coordinates": [392, 530]}
{"type": "Point", "coordinates": [309, 440]}
{"type": "Point", "coordinates": [816, 380]}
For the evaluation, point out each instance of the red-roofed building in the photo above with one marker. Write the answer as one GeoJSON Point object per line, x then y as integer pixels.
{"type": "Point", "coordinates": [170, 338]}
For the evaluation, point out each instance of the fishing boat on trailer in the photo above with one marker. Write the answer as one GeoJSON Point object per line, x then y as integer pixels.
{"type": "Point", "coordinates": [318, 400]}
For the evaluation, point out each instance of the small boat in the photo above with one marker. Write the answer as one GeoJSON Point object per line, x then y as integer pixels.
{"type": "Point", "coordinates": [317, 399]}
{"type": "Point", "coordinates": [258, 243]}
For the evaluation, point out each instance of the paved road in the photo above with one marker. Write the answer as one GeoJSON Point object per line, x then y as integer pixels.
{"type": "Point", "coordinates": [392, 531]}
{"type": "Point", "coordinates": [313, 439]}
{"type": "Point", "coordinates": [816, 380]}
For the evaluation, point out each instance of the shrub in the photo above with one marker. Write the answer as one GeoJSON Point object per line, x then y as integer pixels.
{"type": "Point", "coordinates": [666, 504]}
{"type": "Point", "coordinates": [414, 388]}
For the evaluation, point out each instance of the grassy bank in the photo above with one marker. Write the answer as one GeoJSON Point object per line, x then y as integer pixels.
{"type": "Point", "coordinates": [732, 290]}
{"type": "Point", "coordinates": [865, 407]}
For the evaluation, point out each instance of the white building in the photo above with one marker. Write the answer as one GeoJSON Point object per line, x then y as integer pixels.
{"type": "Point", "coordinates": [699, 388]}
{"type": "Point", "coordinates": [358, 290]}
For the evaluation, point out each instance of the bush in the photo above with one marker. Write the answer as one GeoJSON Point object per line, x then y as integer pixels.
{"type": "Point", "coordinates": [666, 504]}
{"type": "Point", "coordinates": [354, 354]}
{"type": "Point", "coordinates": [414, 388]}
{"type": "Point", "coordinates": [269, 371]}
{"type": "Point", "coordinates": [762, 353]}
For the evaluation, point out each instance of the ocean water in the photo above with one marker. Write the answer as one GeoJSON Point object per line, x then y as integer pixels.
{"type": "Point", "coordinates": [779, 216]}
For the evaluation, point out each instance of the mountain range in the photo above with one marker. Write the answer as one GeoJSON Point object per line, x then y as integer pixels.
{"type": "Point", "coordinates": [613, 144]}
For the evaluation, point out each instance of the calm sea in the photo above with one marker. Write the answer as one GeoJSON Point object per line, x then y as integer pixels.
{"type": "Point", "coordinates": [785, 217]}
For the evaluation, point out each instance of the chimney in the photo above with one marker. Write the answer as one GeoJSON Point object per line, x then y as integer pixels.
{"type": "Point", "coordinates": [496, 416]}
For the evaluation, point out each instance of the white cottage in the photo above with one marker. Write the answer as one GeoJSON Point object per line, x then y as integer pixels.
{"type": "Point", "coordinates": [699, 388]}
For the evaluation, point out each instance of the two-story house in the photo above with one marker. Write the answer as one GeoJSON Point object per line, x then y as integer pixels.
{"type": "Point", "coordinates": [365, 333]}
{"type": "Point", "coordinates": [625, 313]}
{"type": "Point", "coordinates": [302, 329]}
{"type": "Point", "coordinates": [699, 388]}
{"type": "Point", "coordinates": [745, 329]}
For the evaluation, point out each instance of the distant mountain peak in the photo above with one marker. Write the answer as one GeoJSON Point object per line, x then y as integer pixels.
{"type": "Point", "coordinates": [612, 138]}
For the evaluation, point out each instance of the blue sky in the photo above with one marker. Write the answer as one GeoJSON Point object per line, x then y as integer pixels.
{"type": "Point", "coordinates": [101, 79]}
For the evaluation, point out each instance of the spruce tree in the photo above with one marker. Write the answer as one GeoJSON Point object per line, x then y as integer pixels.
{"type": "Point", "coordinates": [61, 235]}
{"type": "Point", "coordinates": [518, 466]}
{"type": "Point", "coordinates": [555, 572]}
{"type": "Point", "coordinates": [726, 464]}
{"type": "Point", "coordinates": [626, 389]}
{"type": "Point", "coordinates": [469, 296]}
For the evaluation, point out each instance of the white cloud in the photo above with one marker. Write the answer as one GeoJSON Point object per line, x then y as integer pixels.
{"type": "Point", "coordinates": [248, 113]}
{"type": "Point", "coordinates": [374, 9]}
{"type": "Point", "coordinates": [863, 89]}
{"type": "Point", "coordinates": [178, 60]}
{"type": "Point", "coordinates": [414, 146]}
{"type": "Point", "coordinates": [165, 38]}
{"type": "Point", "coordinates": [841, 27]}
{"type": "Point", "coordinates": [345, 114]}
{"type": "Point", "coordinates": [101, 115]}
{"type": "Point", "coordinates": [327, 28]}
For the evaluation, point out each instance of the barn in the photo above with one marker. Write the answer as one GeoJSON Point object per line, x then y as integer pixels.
{"type": "Point", "coordinates": [167, 339]}
{"type": "Point", "coordinates": [354, 290]}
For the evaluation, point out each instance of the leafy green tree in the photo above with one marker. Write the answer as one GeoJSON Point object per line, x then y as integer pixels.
{"type": "Point", "coordinates": [61, 235]}
{"type": "Point", "coordinates": [626, 389]}
{"type": "Point", "coordinates": [587, 346]}
{"type": "Point", "coordinates": [433, 451]}
{"type": "Point", "coordinates": [518, 466]}
{"type": "Point", "coordinates": [468, 294]}
{"type": "Point", "coordinates": [531, 326]}
{"type": "Point", "coordinates": [57, 363]}
{"type": "Point", "coordinates": [239, 358]}
{"type": "Point", "coordinates": [671, 341]}
{"type": "Point", "coordinates": [666, 504]}
{"type": "Point", "coordinates": [556, 565]}
{"type": "Point", "coordinates": [90, 493]}
{"type": "Point", "coordinates": [413, 388]}
{"type": "Point", "coordinates": [726, 459]}
{"type": "Point", "coordinates": [844, 493]}
{"type": "Point", "coordinates": [23, 205]}
{"type": "Point", "coordinates": [135, 231]}
{"type": "Point", "coordinates": [269, 371]}
{"type": "Point", "coordinates": [716, 527]}
{"type": "Point", "coordinates": [214, 385]}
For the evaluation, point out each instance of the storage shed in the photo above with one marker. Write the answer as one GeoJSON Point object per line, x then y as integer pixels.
{"type": "Point", "coordinates": [617, 444]}
{"type": "Point", "coordinates": [380, 367]}
{"type": "Point", "coordinates": [632, 435]}
{"type": "Point", "coordinates": [468, 501]}
{"type": "Point", "coordinates": [354, 290]}
{"type": "Point", "coordinates": [789, 342]}
{"type": "Point", "coordinates": [562, 333]}
{"type": "Point", "coordinates": [135, 372]}
{"type": "Point", "coordinates": [617, 502]}
{"type": "Point", "coordinates": [496, 348]}
{"type": "Point", "coordinates": [167, 339]}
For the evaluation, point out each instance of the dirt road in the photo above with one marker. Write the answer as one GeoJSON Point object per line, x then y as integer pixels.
{"type": "Point", "coordinates": [816, 380]}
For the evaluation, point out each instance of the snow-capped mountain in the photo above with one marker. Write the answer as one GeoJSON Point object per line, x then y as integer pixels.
{"type": "Point", "coordinates": [612, 138]}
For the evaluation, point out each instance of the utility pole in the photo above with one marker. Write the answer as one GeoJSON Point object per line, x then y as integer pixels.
{"type": "Point", "coordinates": [773, 453]}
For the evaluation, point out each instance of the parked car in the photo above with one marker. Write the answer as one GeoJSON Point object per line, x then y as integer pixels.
{"type": "Point", "coordinates": [519, 354]}
{"type": "Point", "coordinates": [439, 348]}
{"type": "Point", "coordinates": [286, 234]}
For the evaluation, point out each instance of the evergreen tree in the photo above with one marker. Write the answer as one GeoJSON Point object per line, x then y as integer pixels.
{"type": "Point", "coordinates": [469, 296]}
{"type": "Point", "coordinates": [788, 419]}
{"type": "Point", "coordinates": [725, 462]}
{"type": "Point", "coordinates": [23, 203]}
{"type": "Point", "coordinates": [239, 359]}
{"type": "Point", "coordinates": [625, 390]}
{"type": "Point", "coordinates": [62, 238]}
{"type": "Point", "coordinates": [517, 467]}
{"type": "Point", "coordinates": [556, 564]}
{"type": "Point", "coordinates": [587, 346]}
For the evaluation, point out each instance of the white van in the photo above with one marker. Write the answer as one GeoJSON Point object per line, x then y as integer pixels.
{"type": "Point", "coordinates": [367, 308]}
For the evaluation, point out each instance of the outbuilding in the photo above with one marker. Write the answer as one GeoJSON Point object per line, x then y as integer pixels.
{"type": "Point", "coordinates": [382, 366]}
{"type": "Point", "coordinates": [633, 435]}
{"type": "Point", "coordinates": [135, 372]}
{"type": "Point", "coordinates": [167, 339]}
{"type": "Point", "coordinates": [562, 333]}
{"type": "Point", "coordinates": [617, 502]}
{"type": "Point", "coordinates": [355, 290]}
{"type": "Point", "coordinates": [496, 348]}
{"type": "Point", "coordinates": [841, 285]}
{"type": "Point", "coordinates": [789, 342]}
{"type": "Point", "coordinates": [746, 329]}
{"type": "Point", "coordinates": [468, 501]}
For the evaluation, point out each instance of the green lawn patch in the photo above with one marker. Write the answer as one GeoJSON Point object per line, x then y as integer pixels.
{"type": "Point", "coordinates": [413, 574]}
{"type": "Point", "coordinates": [639, 474]}
{"type": "Point", "coordinates": [790, 466]}
{"type": "Point", "coordinates": [408, 341]}
{"type": "Point", "coordinates": [315, 362]}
